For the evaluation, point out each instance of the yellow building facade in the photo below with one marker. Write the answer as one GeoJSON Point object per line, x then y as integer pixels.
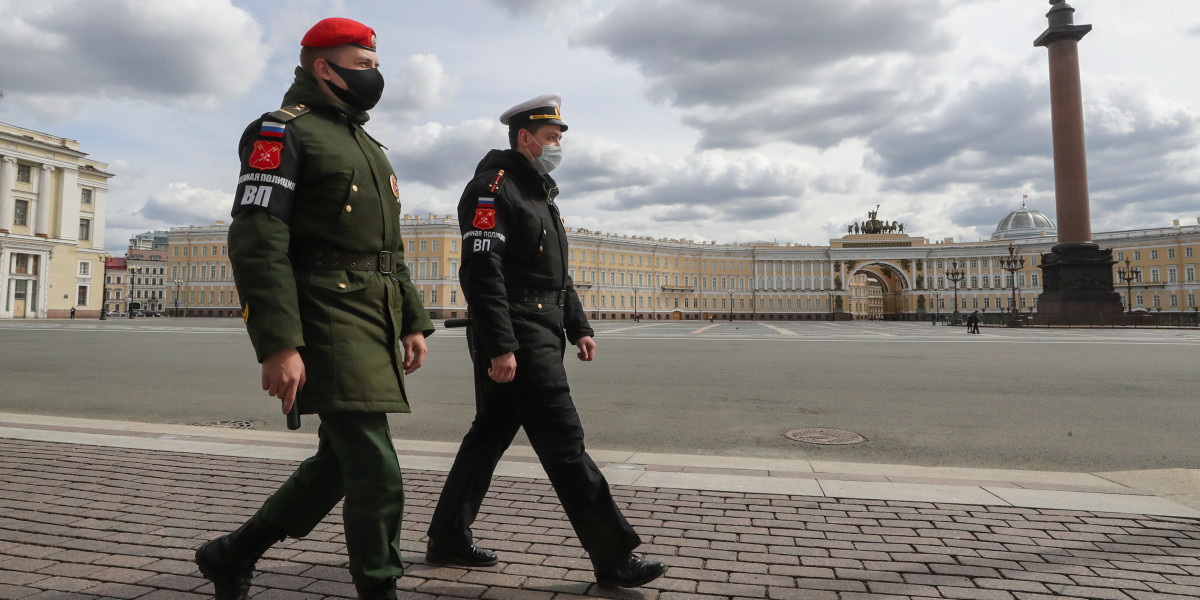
{"type": "Point", "coordinates": [894, 276]}
{"type": "Point", "coordinates": [199, 280]}
{"type": "Point", "coordinates": [898, 275]}
{"type": "Point", "coordinates": [52, 206]}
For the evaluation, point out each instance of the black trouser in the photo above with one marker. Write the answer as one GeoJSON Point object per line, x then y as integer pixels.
{"type": "Point", "coordinates": [552, 425]}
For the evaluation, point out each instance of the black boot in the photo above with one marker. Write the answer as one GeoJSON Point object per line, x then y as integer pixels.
{"type": "Point", "coordinates": [228, 561]}
{"type": "Point", "coordinates": [380, 591]}
{"type": "Point", "coordinates": [467, 556]}
{"type": "Point", "coordinates": [629, 571]}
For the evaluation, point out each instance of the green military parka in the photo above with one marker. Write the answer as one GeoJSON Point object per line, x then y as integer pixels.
{"type": "Point", "coordinates": [312, 180]}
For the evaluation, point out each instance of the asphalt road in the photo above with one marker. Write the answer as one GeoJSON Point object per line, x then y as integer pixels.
{"type": "Point", "coordinates": [1051, 399]}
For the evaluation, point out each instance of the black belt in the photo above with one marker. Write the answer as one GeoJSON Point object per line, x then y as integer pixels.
{"type": "Point", "coordinates": [556, 297]}
{"type": "Point", "coordinates": [341, 260]}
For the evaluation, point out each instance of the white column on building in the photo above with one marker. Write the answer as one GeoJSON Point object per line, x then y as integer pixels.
{"type": "Point", "coordinates": [8, 176]}
{"type": "Point", "coordinates": [69, 206]}
{"type": "Point", "coordinates": [43, 202]}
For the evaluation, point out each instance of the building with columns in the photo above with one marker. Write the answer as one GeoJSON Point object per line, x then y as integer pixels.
{"type": "Point", "coordinates": [199, 280]}
{"type": "Point", "coordinates": [875, 271]}
{"type": "Point", "coordinates": [52, 203]}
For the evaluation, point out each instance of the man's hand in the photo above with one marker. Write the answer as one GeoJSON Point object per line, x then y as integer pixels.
{"type": "Point", "coordinates": [283, 376]}
{"type": "Point", "coordinates": [587, 348]}
{"type": "Point", "coordinates": [504, 368]}
{"type": "Point", "coordinates": [414, 352]}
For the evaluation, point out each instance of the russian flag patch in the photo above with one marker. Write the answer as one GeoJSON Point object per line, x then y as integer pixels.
{"type": "Point", "coordinates": [486, 202]}
{"type": "Point", "coordinates": [270, 129]}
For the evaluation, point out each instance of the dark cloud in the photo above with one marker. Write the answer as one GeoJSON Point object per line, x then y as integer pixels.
{"type": "Point", "coordinates": [181, 203]}
{"type": "Point", "coordinates": [716, 53]}
{"type": "Point", "coordinates": [743, 189]}
{"type": "Point", "coordinates": [527, 8]}
{"type": "Point", "coordinates": [443, 156]}
{"type": "Point", "coordinates": [129, 48]}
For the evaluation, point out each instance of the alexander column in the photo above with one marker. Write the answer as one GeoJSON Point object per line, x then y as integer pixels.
{"type": "Point", "coordinates": [1077, 274]}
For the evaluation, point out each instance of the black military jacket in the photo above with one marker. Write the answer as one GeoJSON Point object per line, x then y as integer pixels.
{"type": "Point", "coordinates": [514, 272]}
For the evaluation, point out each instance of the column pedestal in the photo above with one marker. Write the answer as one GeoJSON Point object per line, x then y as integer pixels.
{"type": "Point", "coordinates": [1078, 286]}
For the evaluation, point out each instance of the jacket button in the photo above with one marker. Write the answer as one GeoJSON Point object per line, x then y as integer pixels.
{"type": "Point", "coordinates": [349, 208]}
{"type": "Point", "coordinates": [354, 188]}
{"type": "Point", "coordinates": [341, 286]}
{"type": "Point", "coordinates": [543, 232]}
{"type": "Point", "coordinates": [539, 305]}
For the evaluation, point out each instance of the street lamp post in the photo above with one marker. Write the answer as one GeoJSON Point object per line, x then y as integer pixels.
{"type": "Point", "coordinates": [1013, 263]}
{"type": "Point", "coordinates": [955, 275]}
{"type": "Point", "coordinates": [832, 314]}
{"type": "Point", "coordinates": [635, 305]}
{"type": "Point", "coordinates": [1128, 274]}
{"type": "Point", "coordinates": [133, 271]}
{"type": "Point", "coordinates": [730, 304]}
{"type": "Point", "coordinates": [178, 284]}
{"type": "Point", "coordinates": [104, 287]}
{"type": "Point", "coordinates": [937, 308]}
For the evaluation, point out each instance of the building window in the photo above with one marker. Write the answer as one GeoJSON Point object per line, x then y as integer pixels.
{"type": "Point", "coordinates": [423, 245]}
{"type": "Point", "coordinates": [1170, 253]}
{"type": "Point", "coordinates": [1189, 274]}
{"type": "Point", "coordinates": [85, 196]}
{"type": "Point", "coordinates": [1154, 255]}
{"type": "Point", "coordinates": [433, 296]}
{"type": "Point", "coordinates": [1187, 252]}
{"type": "Point", "coordinates": [1172, 275]}
{"type": "Point", "coordinates": [433, 269]}
{"type": "Point", "coordinates": [85, 229]}
{"type": "Point", "coordinates": [454, 248]}
{"type": "Point", "coordinates": [410, 245]}
{"type": "Point", "coordinates": [1137, 300]}
{"type": "Point", "coordinates": [81, 296]}
{"type": "Point", "coordinates": [1157, 302]}
{"type": "Point", "coordinates": [454, 296]}
{"type": "Point", "coordinates": [435, 245]}
{"type": "Point", "coordinates": [85, 268]}
{"type": "Point", "coordinates": [1174, 301]}
{"type": "Point", "coordinates": [1192, 300]}
{"type": "Point", "coordinates": [24, 174]}
{"type": "Point", "coordinates": [21, 212]}
{"type": "Point", "coordinates": [1153, 274]}
{"type": "Point", "coordinates": [1137, 255]}
{"type": "Point", "coordinates": [1033, 278]}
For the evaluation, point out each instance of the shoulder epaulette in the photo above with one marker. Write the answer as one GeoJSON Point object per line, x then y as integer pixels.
{"type": "Point", "coordinates": [288, 113]}
{"type": "Point", "coordinates": [495, 185]}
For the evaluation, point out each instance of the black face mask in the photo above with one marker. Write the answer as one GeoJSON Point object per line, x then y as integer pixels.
{"type": "Point", "coordinates": [364, 87]}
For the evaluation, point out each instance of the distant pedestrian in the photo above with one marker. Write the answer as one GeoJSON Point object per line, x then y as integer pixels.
{"type": "Point", "coordinates": [973, 323]}
{"type": "Point", "coordinates": [933, 319]}
{"type": "Point", "coordinates": [72, 313]}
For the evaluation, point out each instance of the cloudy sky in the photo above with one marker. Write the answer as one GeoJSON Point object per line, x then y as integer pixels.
{"type": "Point", "coordinates": [726, 120]}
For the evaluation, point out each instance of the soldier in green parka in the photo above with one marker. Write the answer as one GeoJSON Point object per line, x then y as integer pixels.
{"type": "Point", "coordinates": [330, 308]}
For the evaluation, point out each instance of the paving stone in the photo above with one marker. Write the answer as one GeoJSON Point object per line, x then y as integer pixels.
{"type": "Point", "coordinates": [121, 523]}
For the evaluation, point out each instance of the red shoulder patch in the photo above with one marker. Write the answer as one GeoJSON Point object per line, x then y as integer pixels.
{"type": "Point", "coordinates": [266, 155]}
{"type": "Point", "coordinates": [485, 218]}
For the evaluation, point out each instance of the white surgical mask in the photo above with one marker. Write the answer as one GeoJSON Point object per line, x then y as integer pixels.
{"type": "Point", "coordinates": [551, 156]}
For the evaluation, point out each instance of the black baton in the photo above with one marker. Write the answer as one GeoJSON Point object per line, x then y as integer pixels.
{"type": "Point", "coordinates": [452, 323]}
{"type": "Point", "coordinates": [293, 416]}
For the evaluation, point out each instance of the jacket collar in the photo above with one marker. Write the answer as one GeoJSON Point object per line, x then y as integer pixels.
{"type": "Point", "coordinates": [305, 90]}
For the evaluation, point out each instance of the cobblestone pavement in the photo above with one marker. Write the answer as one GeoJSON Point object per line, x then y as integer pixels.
{"type": "Point", "coordinates": [82, 522]}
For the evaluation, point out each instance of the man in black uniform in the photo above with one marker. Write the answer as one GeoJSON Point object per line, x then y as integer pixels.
{"type": "Point", "coordinates": [523, 311]}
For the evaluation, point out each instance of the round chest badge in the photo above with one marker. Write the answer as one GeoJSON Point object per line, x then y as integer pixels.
{"type": "Point", "coordinates": [395, 187]}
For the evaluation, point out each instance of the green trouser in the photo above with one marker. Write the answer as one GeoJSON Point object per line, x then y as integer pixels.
{"type": "Point", "coordinates": [355, 459]}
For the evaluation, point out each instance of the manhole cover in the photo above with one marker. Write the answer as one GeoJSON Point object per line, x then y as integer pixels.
{"type": "Point", "coordinates": [226, 424]}
{"type": "Point", "coordinates": [825, 437]}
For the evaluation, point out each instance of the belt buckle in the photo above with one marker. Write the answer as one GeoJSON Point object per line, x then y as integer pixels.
{"type": "Point", "coordinates": [387, 263]}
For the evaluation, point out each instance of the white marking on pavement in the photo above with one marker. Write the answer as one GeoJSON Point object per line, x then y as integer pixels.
{"type": "Point", "coordinates": [705, 328]}
{"type": "Point", "coordinates": [781, 330]}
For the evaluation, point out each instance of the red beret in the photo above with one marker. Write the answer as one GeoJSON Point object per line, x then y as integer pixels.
{"type": "Point", "coordinates": [336, 31]}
